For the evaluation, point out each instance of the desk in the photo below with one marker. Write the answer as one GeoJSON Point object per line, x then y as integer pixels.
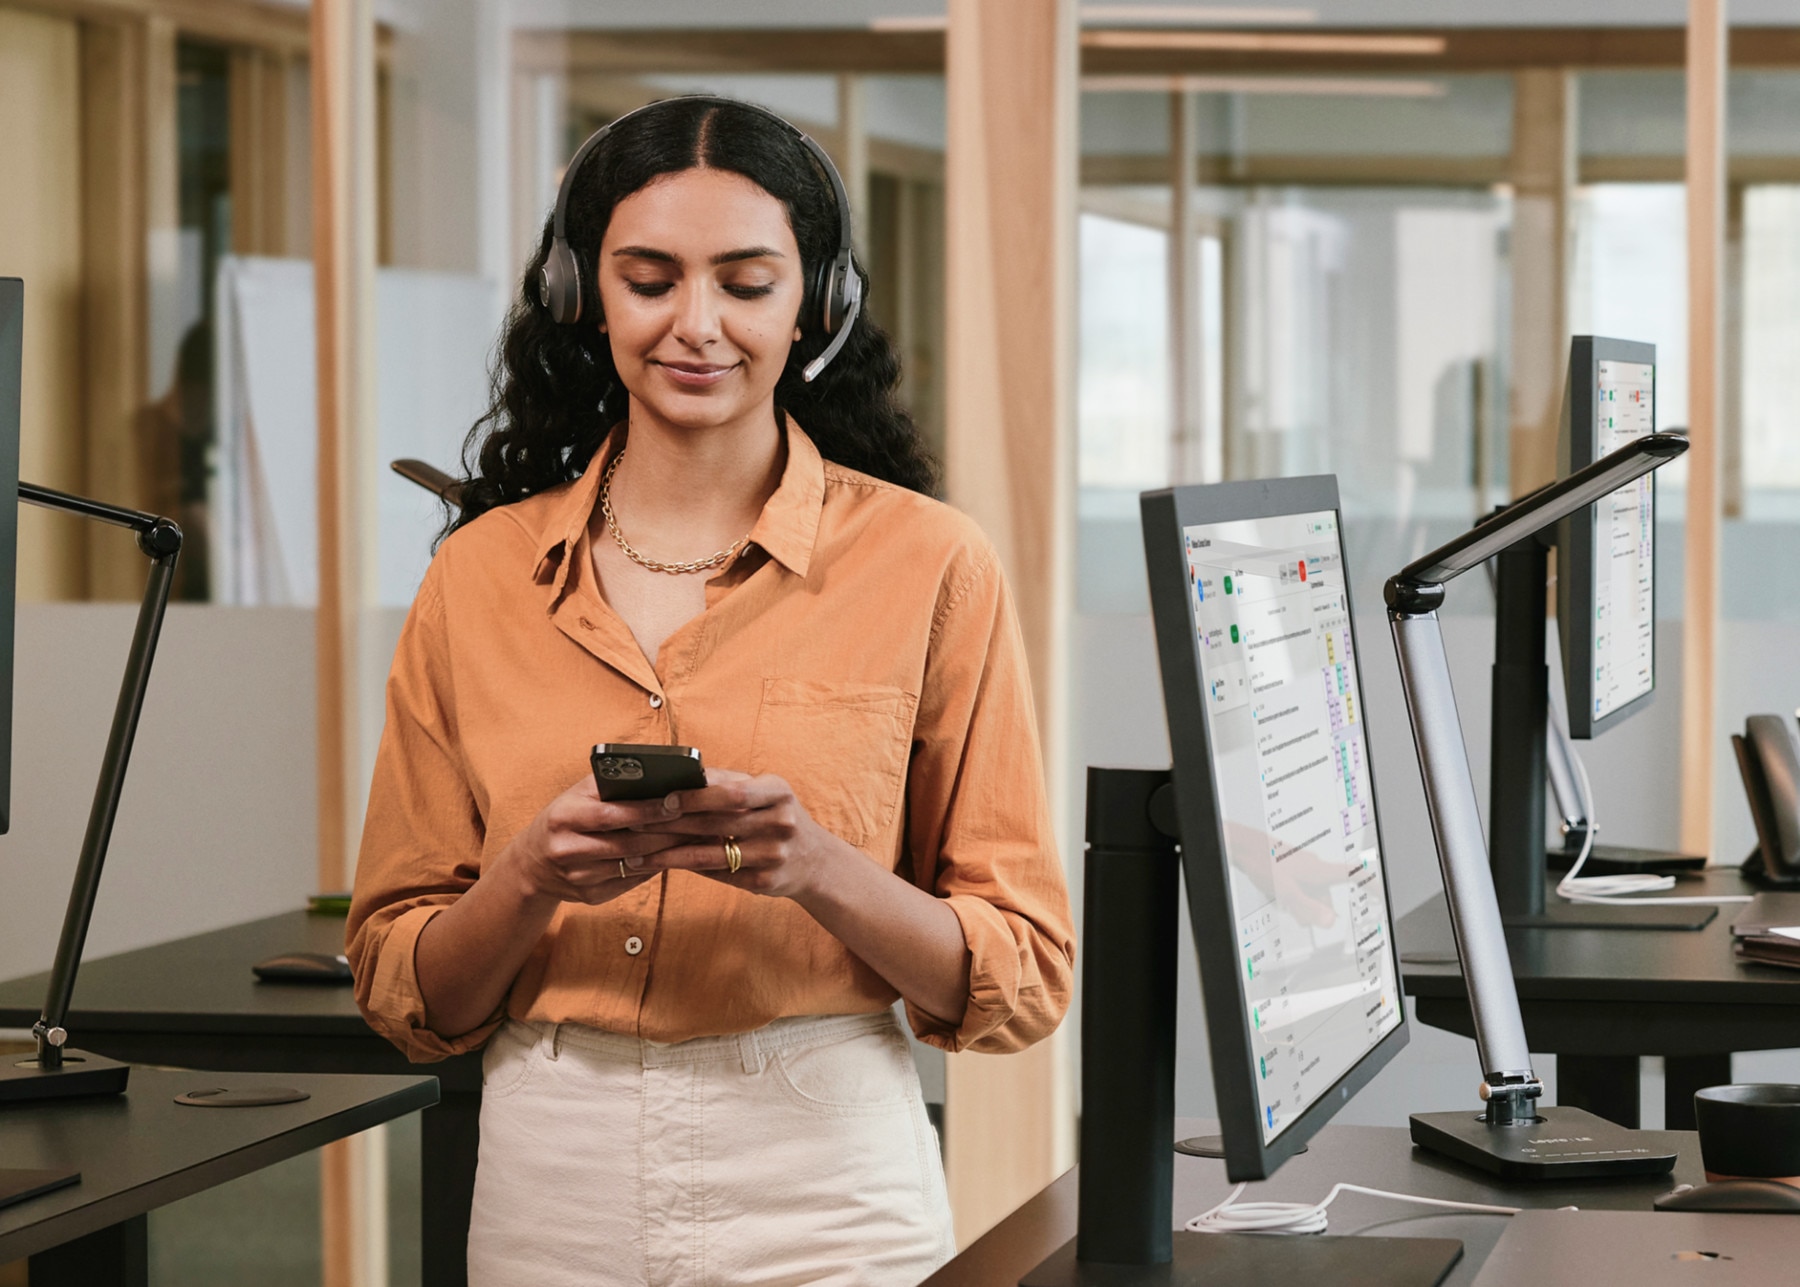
{"type": "Point", "coordinates": [194, 1003]}
{"type": "Point", "coordinates": [141, 1150]}
{"type": "Point", "coordinates": [1381, 1157]}
{"type": "Point", "coordinates": [1600, 999]}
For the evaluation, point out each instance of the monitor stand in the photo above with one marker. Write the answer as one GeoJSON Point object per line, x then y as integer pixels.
{"type": "Point", "coordinates": [1518, 766]}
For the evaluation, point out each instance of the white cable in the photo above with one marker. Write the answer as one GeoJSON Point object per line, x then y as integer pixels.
{"type": "Point", "coordinates": [1577, 888]}
{"type": "Point", "coordinates": [1232, 1216]}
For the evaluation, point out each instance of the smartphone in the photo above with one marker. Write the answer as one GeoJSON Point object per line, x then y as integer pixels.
{"type": "Point", "coordinates": [629, 771]}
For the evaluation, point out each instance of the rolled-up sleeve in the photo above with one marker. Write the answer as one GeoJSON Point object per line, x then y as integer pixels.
{"type": "Point", "coordinates": [979, 828]}
{"type": "Point", "coordinates": [421, 841]}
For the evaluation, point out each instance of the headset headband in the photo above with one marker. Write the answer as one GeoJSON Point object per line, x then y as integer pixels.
{"type": "Point", "coordinates": [842, 279]}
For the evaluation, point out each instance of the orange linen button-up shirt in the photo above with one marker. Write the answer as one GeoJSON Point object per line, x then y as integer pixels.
{"type": "Point", "coordinates": [864, 647]}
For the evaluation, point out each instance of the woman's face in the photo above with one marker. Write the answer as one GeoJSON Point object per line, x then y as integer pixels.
{"type": "Point", "coordinates": [700, 283]}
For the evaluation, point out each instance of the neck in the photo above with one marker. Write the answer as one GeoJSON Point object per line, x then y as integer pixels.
{"type": "Point", "coordinates": [681, 488]}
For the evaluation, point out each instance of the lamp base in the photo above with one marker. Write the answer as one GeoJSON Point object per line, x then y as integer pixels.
{"type": "Point", "coordinates": [81, 1074]}
{"type": "Point", "coordinates": [1559, 1144]}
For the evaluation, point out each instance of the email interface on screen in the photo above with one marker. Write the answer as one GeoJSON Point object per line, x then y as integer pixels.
{"type": "Point", "coordinates": [1624, 545]}
{"type": "Point", "coordinates": [1291, 768]}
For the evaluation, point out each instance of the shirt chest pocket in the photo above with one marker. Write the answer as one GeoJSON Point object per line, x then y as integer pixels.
{"type": "Point", "coordinates": [842, 747]}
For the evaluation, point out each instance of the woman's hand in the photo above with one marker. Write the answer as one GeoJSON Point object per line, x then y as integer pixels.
{"type": "Point", "coordinates": [785, 854]}
{"type": "Point", "coordinates": [572, 850]}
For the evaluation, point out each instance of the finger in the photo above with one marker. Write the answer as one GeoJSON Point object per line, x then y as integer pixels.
{"type": "Point", "coordinates": [735, 796]}
{"type": "Point", "coordinates": [714, 776]}
{"type": "Point", "coordinates": [700, 857]}
{"type": "Point", "coordinates": [748, 823]}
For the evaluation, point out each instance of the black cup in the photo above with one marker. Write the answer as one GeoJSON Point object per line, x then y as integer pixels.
{"type": "Point", "coordinates": [1750, 1130]}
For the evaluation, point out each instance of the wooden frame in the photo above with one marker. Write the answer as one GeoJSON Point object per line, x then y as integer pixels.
{"type": "Point", "coordinates": [1465, 49]}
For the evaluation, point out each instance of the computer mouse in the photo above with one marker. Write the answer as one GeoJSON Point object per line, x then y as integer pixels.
{"type": "Point", "coordinates": [303, 967]}
{"type": "Point", "coordinates": [1733, 1195]}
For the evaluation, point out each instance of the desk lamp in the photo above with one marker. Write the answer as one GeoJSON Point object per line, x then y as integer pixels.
{"type": "Point", "coordinates": [1512, 1137]}
{"type": "Point", "coordinates": [55, 1071]}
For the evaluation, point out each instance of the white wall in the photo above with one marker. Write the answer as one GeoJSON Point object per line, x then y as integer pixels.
{"type": "Point", "coordinates": [217, 820]}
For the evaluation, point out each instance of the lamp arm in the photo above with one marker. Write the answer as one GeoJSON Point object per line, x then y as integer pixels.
{"type": "Point", "coordinates": [1508, 1082]}
{"type": "Point", "coordinates": [160, 540]}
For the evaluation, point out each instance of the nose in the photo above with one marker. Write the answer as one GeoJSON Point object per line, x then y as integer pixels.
{"type": "Point", "coordinates": [696, 314]}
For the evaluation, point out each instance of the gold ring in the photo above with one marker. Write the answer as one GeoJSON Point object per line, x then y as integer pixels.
{"type": "Point", "coordinates": [622, 872]}
{"type": "Point", "coordinates": [734, 857]}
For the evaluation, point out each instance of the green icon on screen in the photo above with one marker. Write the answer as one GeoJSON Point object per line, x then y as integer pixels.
{"type": "Point", "coordinates": [1227, 585]}
{"type": "Point", "coordinates": [1234, 637]}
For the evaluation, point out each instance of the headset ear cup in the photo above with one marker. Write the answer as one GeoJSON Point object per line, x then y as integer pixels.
{"type": "Point", "coordinates": [847, 298]}
{"type": "Point", "coordinates": [559, 285]}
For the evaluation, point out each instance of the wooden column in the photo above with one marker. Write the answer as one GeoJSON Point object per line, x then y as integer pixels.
{"type": "Point", "coordinates": [1187, 419]}
{"type": "Point", "coordinates": [1543, 167]}
{"type": "Point", "coordinates": [259, 152]}
{"type": "Point", "coordinates": [1706, 70]}
{"type": "Point", "coordinates": [344, 195]}
{"type": "Point", "coordinates": [343, 220]}
{"type": "Point", "coordinates": [1010, 175]}
{"type": "Point", "coordinates": [852, 154]}
{"type": "Point", "coordinates": [115, 310]}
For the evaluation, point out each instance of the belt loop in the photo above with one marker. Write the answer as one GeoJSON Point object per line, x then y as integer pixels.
{"type": "Point", "coordinates": [553, 1039]}
{"type": "Point", "coordinates": [750, 1051]}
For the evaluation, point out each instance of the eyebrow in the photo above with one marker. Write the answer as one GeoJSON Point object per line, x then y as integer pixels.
{"type": "Point", "coordinates": [724, 257]}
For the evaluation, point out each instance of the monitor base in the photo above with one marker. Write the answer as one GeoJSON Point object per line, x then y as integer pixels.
{"type": "Point", "coordinates": [1212, 1146]}
{"type": "Point", "coordinates": [81, 1074]}
{"type": "Point", "coordinates": [1649, 914]}
{"type": "Point", "coordinates": [1561, 1144]}
{"type": "Point", "coordinates": [1621, 860]}
{"type": "Point", "coordinates": [1201, 1258]}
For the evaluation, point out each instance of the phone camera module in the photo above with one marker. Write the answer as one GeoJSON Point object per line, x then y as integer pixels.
{"type": "Point", "coordinates": [621, 768]}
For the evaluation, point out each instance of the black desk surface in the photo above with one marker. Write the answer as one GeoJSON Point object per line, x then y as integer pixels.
{"type": "Point", "coordinates": [1609, 964]}
{"type": "Point", "coordinates": [203, 983]}
{"type": "Point", "coordinates": [141, 1150]}
{"type": "Point", "coordinates": [194, 1002]}
{"type": "Point", "coordinates": [1379, 1157]}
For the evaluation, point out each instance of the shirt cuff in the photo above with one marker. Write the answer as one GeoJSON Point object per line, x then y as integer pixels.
{"type": "Point", "coordinates": [996, 987]}
{"type": "Point", "coordinates": [393, 1004]}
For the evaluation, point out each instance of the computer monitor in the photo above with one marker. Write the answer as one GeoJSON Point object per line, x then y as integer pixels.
{"type": "Point", "coordinates": [12, 338]}
{"type": "Point", "coordinates": [1606, 553]}
{"type": "Point", "coordinates": [1606, 619]}
{"type": "Point", "coordinates": [1275, 798]}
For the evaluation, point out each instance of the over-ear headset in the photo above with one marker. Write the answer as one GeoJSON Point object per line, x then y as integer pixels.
{"type": "Point", "coordinates": [833, 298]}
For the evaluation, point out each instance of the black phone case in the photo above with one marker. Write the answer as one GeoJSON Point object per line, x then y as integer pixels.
{"type": "Point", "coordinates": [629, 771]}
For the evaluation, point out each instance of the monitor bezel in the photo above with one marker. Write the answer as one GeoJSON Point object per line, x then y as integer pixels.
{"type": "Point", "coordinates": [12, 334]}
{"type": "Point", "coordinates": [1166, 515]}
{"type": "Point", "coordinates": [1576, 534]}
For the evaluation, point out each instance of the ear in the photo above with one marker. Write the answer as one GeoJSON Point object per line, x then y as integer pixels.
{"type": "Point", "coordinates": [796, 333]}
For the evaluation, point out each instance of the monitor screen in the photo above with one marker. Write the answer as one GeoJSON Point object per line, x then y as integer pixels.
{"type": "Point", "coordinates": [1274, 752]}
{"type": "Point", "coordinates": [1623, 562]}
{"type": "Point", "coordinates": [1606, 554]}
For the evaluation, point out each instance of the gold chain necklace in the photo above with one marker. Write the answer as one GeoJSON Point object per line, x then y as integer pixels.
{"type": "Point", "coordinates": [674, 569]}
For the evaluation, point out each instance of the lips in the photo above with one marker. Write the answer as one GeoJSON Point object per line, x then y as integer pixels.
{"type": "Point", "coordinates": [695, 375]}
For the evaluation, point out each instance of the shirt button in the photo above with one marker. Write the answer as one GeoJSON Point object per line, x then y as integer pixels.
{"type": "Point", "coordinates": [633, 945]}
{"type": "Point", "coordinates": [655, 701]}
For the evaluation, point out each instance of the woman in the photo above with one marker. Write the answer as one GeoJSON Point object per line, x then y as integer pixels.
{"type": "Point", "coordinates": [693, 1072]}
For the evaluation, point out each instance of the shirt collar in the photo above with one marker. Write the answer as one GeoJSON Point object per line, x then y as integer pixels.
{"type": "Point", "coordinates": [787, 528]}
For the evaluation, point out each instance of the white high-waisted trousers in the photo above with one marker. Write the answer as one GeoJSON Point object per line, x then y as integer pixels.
{"type": "Point", "coordinates": [799, 1153]}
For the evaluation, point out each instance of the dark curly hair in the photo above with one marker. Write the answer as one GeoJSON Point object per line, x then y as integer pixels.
{"type": "Point", "coordinates": [555, 391]}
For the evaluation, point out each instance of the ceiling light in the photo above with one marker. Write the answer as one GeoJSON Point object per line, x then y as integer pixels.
{"type": "Point", "coordinates": [1343, 87]}
{"type": "Point", "coordinates": [1190, 15]}
{"type": "Point", "coordinates": [1265, 42]}
{"type": "Point", "coordinates": [1149, 15]}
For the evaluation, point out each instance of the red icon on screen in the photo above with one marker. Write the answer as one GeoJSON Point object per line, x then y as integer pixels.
{"type": "Point", "coordinates": [1303, 569]}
